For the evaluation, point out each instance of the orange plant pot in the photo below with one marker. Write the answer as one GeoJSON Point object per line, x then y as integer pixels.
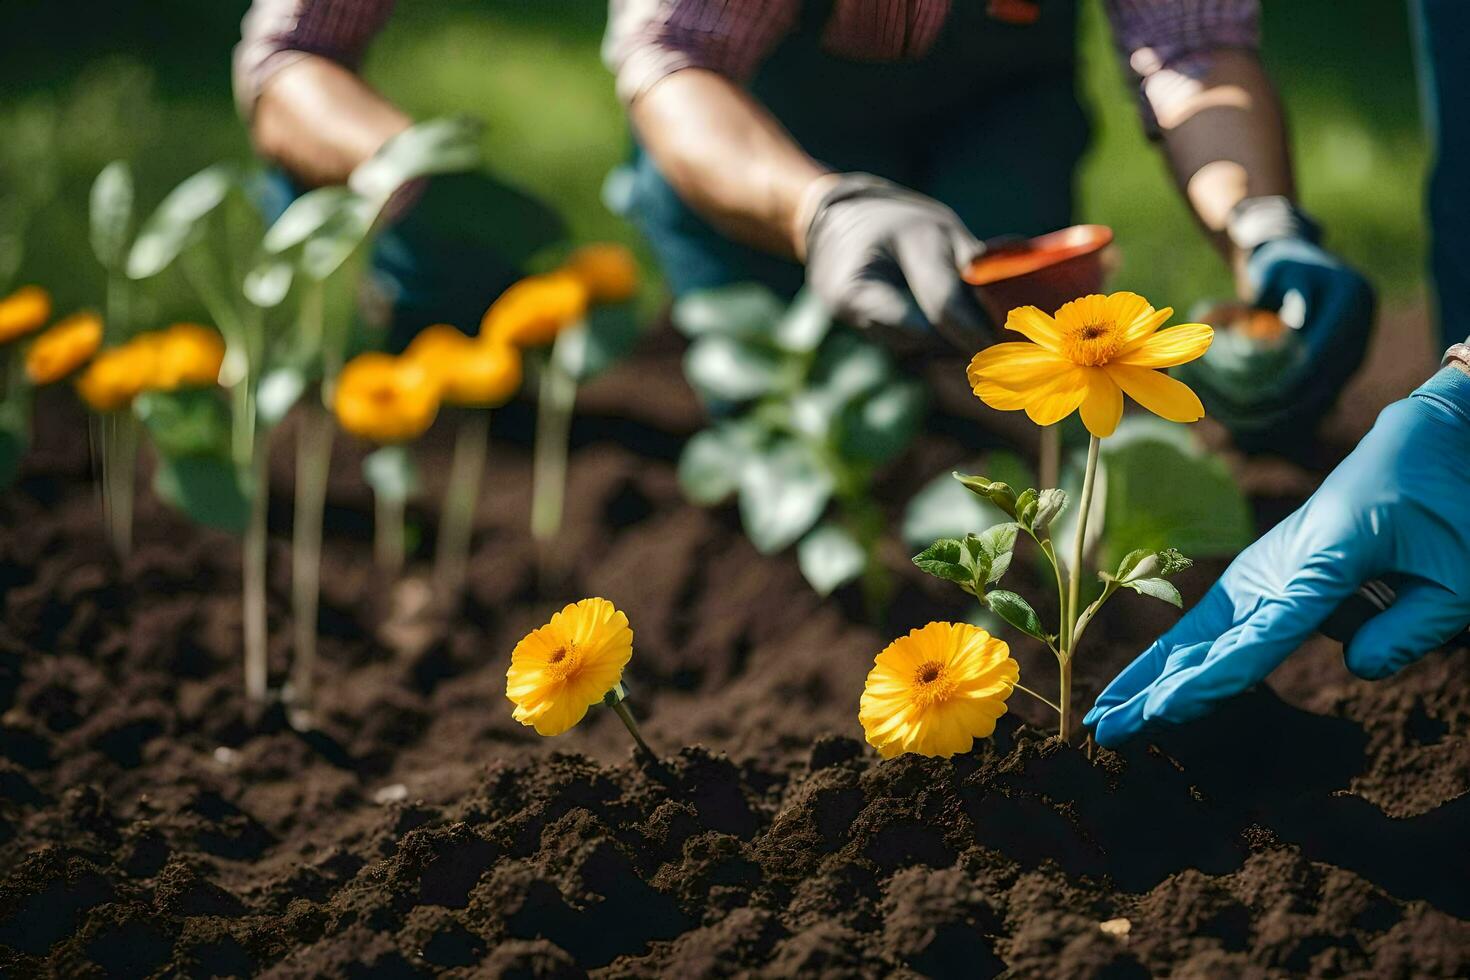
{"type": "Point", "coordinates": [1044, 271]}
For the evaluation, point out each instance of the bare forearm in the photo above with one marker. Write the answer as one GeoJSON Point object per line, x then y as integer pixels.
{"type": "Point", "coordinates": [727, 157]}
{"type": "Point", "coordinates": [318, 121]}
{"type": "Point", "coordinates": [1225, 138]}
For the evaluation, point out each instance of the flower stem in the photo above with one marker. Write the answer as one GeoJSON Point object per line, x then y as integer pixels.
{"type": "Point", "coordinates": [621, 709]}
{"type": "Point", "coordinates": [1074, 589]}
{"type": "Point", "coordinates": [557, 395]}
{"type": "Point", "coordinates": [1049, 703]}
{"type": "Point", "coordinates": [457, 523]}
{"type": "Point", "coordinates": [388, 533]}
{"type": "Point", "coordinates": [254, 568]}
{"type": "Point", "coordinates": [313, 461]}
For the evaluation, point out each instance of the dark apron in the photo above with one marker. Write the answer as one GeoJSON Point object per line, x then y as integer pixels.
{"type": "Point", "coordinates": [1441, 28]}
{"type": "Point", "coordinates": [987, 122]}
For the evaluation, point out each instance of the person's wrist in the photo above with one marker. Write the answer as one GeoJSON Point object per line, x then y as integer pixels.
{"type": "Point", "coordinates": [807, 206]}
{"type": "Point", "coordinates": [1256, 221]}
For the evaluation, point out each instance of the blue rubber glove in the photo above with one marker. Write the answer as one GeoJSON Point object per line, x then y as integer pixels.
{"type": "Point", "coordinates": [1272, 397]}
{"type": "Point", "coordinates": [1399, 505]}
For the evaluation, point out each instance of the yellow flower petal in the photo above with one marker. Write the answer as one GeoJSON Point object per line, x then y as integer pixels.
{"type": "Point", "coordinates": [1140, 329]}
{"type": "Point", "coordinates": [1103, 406]}
{"type": "Point", "coordinates": [1168, 348]}
{"type": "Point", "coordinates": [1035, 326]}
{"type": "Point", "coordinates": [1158, 392]}
{"type": "Point", "coordinates": [1058, 399]}
{"type": "Point", "coordinates": [1015, 365]}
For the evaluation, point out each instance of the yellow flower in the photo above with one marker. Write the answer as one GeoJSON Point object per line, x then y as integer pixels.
{"type": "Point", "coordinates": [1094, 350]}
{"type": "Point", "coordinates": [533, 311]}
{"type": "Point", "coordinates": [937, 690]}
{"type": "Point", "coordinates": [189, 356]}
{"type": "Point", "coordinates": [385, 398]}
{"type": "Point", "coordinates": [116, 376]}
{"type": "Point", "coordinates": [480, 373]}
{"type": "Point", "coordinates": [563, 668]}
{"type": "Point", "coordinates": [608, 270]}
{"type": "Point", "coordinates": [24, 311]}
{"type": "Point", "coordinates": [64, 348]}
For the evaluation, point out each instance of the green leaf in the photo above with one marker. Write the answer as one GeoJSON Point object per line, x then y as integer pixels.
{"type": "Point", "coordinates": [993, 548]}
{"type": "Point", "coordinates": [712, 461]}
{"type": "Point", "coordinates": [608, 334]}
{"type": "Point", "coordinates": [268, 283]}
{"type": "Point", "coordinates": [1026, 507]}
{"type": "Point", "coordinates": [278, 390]}
{"type": "Point", "coordinates": [1143, 563]}
{"type": "Point", "coordinates": [1049, 506]}
{"type": "Point", "coordinates": [804, 325]}
{"type": "Point", "coordinates": [336, 241]}
{"type": "Point", "coordinates": [848, 366]}
{"type": "Point", "coordinates": [436, 146]}
{"type": "Point", "coordinates": [1016, 611]}
{"type": "Point", "coordinates": [177, 218]}
{"type": "Point", "coordinates": [208, 488]}
{"type": "Point", "coordinates": [306, 216]}
{"type": "Point", "coordinates": [830, 557]}
{"type": "Point", "coordinates": [739, 310]}
{"type": "Point", "coordinates": [191, 422]}
{"type": "Point", "coordinates": [111, 213]}
{"type": "Point", "coordinates": [880, 426]}
{"type": "Point", "coordinates": [782, 494]}
{"type": "Point", "coordinates": [724, 368]}
{"type": "Point", "coordinates": [998, 493]}
{"type": "Point", "coordinates": [1159, 588]}
{"type": "Point", "coordinates": [947, 559]}
{"type": "Point", "coordinates": [1164, 491]}
{"type": "Point", "coordinates": [391, 472]}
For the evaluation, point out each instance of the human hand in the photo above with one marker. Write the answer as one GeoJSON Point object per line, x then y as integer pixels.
{"type": "Point", "coordinates": [1398, 505]}
{"type": "Point", "coordinates": [880, 255]}
{"type": "Point", "coordinates": [1268, 393]}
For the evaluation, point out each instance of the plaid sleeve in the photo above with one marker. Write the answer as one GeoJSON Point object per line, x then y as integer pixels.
{"type": "Point", "coordinates": [275, 33]}
{"type": "Point", "coordinates": [1180, 36]}
{"type": "Point", "coordinates": [650, 39]}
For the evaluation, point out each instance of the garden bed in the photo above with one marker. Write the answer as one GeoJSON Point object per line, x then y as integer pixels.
{"type": "Point", "coordinates": [147, 824]}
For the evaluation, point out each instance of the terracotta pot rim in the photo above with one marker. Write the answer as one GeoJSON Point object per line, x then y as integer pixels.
{"type": "Point", "coordinates": [1043, 251]}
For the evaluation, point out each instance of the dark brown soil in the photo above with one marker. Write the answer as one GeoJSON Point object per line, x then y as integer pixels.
{"type": "Point", "coordinates": [149, 826]}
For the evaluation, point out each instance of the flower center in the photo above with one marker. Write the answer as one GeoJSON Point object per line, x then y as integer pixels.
{"type": "Point", "coordinates": [564, 661]}
{"type": "Point", "coordinates": [932, 683]}
{"type": "Point", "coordinates": [1092, 343]}
{"type": "Point", "coordinates": [382, 395]}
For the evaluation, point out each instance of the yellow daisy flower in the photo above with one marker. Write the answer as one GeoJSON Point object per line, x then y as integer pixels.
{"type": "Point", "coordinates": [563, 668]}
{"type": "Point", "coordinates": [937, 690]}
{"type": "Point", "coordinates": [533, 311]}
{"type": "Point", "coordinates": [24, 311]}
{"type": "Point", "coordinates": [115, 377]}
{"type": "Point", "coordinates": [608, 270]}
{"type": "Point", "coordinates": [385, 398]}
{"type": "Point", "coordinates": [64, 348]}
{"type": "Point", "coordinates": [1093, 351]}
{"type": "Point", "coordinates": [189, 356]}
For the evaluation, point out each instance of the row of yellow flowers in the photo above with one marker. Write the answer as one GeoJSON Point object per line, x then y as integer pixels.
{"type": "Point", "coordinates": [937, 689]}
{"type": "Point", "coordinates": [184, 355]}
{"type": "Point", "coordinates": [393, 399]}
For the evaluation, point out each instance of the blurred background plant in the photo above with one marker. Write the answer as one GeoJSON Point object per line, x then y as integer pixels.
{"type": "Point", "coordinates": [531, 71]}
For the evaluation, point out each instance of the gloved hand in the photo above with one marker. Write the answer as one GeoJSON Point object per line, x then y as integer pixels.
{"type": "Point", "coordinates": [1272, 396]}
{"type": "Point", "coordinates": [880, 255]}
{"type": "Point", "coordinates": [1399, 505]}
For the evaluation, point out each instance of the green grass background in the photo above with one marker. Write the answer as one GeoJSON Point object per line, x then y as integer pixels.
{"type": "Point", "coordinates": [150, 82]}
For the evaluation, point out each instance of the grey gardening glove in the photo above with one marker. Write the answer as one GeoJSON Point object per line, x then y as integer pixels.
{"type": "Point", "coordinates": [881, 256]}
